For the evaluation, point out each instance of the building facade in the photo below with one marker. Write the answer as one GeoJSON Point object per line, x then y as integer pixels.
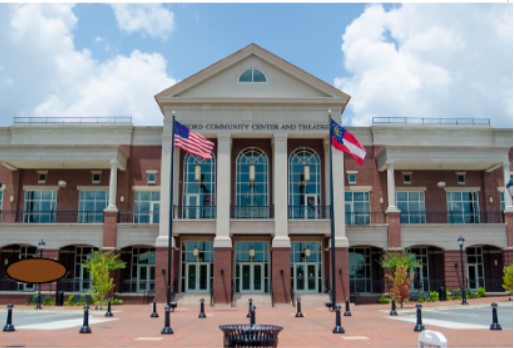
{"type": "Point", "coordinates": [255, 220]}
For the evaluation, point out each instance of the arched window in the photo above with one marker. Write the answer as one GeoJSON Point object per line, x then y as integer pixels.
{"type": "Point", "coordinates": [252, 75]}
{"type": "Point", "coordinates": [252, 184]}
{"type": "Point", "coordinates": [304, 185]}
{"type": "Point", "coordinates": [199, 198]}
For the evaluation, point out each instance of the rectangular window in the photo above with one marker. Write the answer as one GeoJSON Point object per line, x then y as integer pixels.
{"type": "Point", "coordinates": [357, 208]}
{"type": "Point", "coordinates": [461, 178]}
{"type": "Point", "coordinates": [91, 206]}
{"type": "Point", "coordinates": [407, 178]}
{"type": "Point", "coordinates": [146, 207]}
{"type": "Point", "coordinates": [412, 207]}
{"type": "Point", "coordinates": [151, 177]}
{"type": "Point", "coordinates": [463, 207]}
{"type": "Point", "coordinates": [96, 177]}
{"type": "Point", "coordinates": [360, 270]}
{"type": "Point", "coordinates": [40, 206]}
{"type": "Point", "coordinates": [41, 177]}
{"type": "Point", "coordinates": [352, 177]}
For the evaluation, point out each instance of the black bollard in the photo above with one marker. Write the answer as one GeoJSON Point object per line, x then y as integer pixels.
{"type": "Point", "coordinates": [167, 330]}
{"type": "Point", "coordinates": [299, 313]}
{"type": "Point", "coordinates": [338, 329]}
{"type": "Point", "coordinates": [250, 301]}
{"type": "Point", "coordinates": [154, 313]}
{"type": "Point", "coordinates": [8, 325]}
{"type": "Point", "coordinates": [85, 325]}
{"type": "Point", "coordinates": [495, 325]}
{"type": "Point", "coordinates": [393, 307]}
{"type": "Point", "coordinates": [252, 316]}
{"type": "Point", "coordinates": [202, 309]}
{"type": "Point", "coordinates": [347, 312]}
{"type": "Point", "coordinates": [419, 325]}
{"type": "Point", "coordinates": [108, 313]}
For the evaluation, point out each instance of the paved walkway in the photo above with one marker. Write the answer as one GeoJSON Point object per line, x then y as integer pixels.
{"type": "Point", "coordinates": [131, 326]}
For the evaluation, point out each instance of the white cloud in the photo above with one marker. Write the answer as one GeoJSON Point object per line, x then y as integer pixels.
{"type": "Point", "coordinates": [43, 74]}
{"type": "Point", "coordinates": [430, 60]}
{"type": "Point", "coordinates": [150, 19]}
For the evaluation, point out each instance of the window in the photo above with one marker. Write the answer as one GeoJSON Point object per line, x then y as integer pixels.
{"type": "Point", "coordinates": [463, 207]}
{"type": "Point", "coordinates": [421, 280]}
{"type": "Point", "coordinates": [461, 178]}
{"type": "Point", "coordinates": [40, 206]}
{"type": "Point", "coordinates": [357, 208]}
{"type": "Point", "coordinates": [412, 207]}
{"type": "Point", "coordinates": [306, 268]}
{"type": "Point", "coordinates": [352, 177]}
{"type": "Point", "coordinates": [407, 178]}
{"type": "Point", "coordinates": [143, 269]}
{"type": "Point", "coordinates": [146, 207]}
{"type": "Point", "coordinates": [91, 206]}
{"type": "Point", "coordinates": [252, 196]}
{"type": "Point", "coordinates": [252, 75]}
{"type": "Point", "coordinates": [304, 193]}
{"type": "Point", "coordinates": [360, 270]}
{"type": "Point", "coordinates": [199, 198]}
{"type": "Point", "coordinates": [96, 177]}
{"type": "Point", "coordinates": [151, 176]}
{"type": "Point", "coordinates": [41, 177]}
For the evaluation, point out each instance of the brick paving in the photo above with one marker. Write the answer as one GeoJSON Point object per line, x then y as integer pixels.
{"type": "Point", "coordinates": [369, 326]}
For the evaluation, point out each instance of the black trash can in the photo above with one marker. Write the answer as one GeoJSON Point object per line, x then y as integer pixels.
{"type": "Point", "coordinates": [442, 293]}
{"type": "Point", "coordinates": [59, 298]}
{"type": "Point", "coordinates": [240, 335]}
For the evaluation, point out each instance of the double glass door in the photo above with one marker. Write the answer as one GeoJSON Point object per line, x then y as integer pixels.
{"type": "Point", "coordinates": [145, 277]}
{"type": "Point", "coordinates": [252, 277]}
{"type": "Point", "coordinates": [305, 279]}
{"type": "Point", "coordinates": [197, 277]}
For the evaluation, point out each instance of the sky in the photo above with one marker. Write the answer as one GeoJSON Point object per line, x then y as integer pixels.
{"type": "Point", "coordinates": [394, 60]}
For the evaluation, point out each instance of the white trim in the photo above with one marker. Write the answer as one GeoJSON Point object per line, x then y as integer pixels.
{"type": "Point", "coordinates": [92, 188]}
{"type": "Point", "coordinates": [40, 188]}
{"type": "Point", "coordinates": [358, 189]}
{"type": "Point", "coordinates": [146, 188]}
{"type": "Point", "coordinates": [411, 189]}
{"type": "Point", "coordinates": [462, 189]}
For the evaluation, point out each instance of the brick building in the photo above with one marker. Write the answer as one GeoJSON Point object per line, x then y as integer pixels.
{"type": "Point", "coordinates": [255, 219]}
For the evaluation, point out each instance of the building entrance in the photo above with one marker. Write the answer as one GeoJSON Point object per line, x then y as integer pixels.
{"type": "Point", "coordinates": [305, 277]}
{"type": "Point", "coordinates": [252, 277]}
{"type": "Point", "coordinates": [197, 277]}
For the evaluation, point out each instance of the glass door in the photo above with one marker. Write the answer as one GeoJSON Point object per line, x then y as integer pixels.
{"type": "Point", "coordinates": [311, 206]}
{"type": "Point", "coordinates": [252, 277]}
{"type": "Point", "coordinates": [192, 208]}
{"type": "Point", "coordinates": [197, 277]}
{"type": "Point", "coordinates": [145, 276]}
{"type": "Point", "coordinates": [305, 277]}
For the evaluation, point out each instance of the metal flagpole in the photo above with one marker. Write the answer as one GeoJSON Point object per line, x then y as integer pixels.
{"type": "Point", "coordinates": [167, 328]}
{"type": "Point", "coordinates": [332, 225]}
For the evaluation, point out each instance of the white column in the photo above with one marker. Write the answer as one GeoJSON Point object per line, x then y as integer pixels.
{"type": "Point", "coordinates": [164, 215]}
{"type": "Point", "coordinates": [339, 190]}
{"type": "Point", "coordinates": [280, 196]}
{"type": "Point", "coordinates": [113, 185]}
{"type": "Point", "coordinates": [506, 195]}
{"type": "Point", "coordinates": [223, 191]}
{"type": "Point", "coordinates": [391, 190]}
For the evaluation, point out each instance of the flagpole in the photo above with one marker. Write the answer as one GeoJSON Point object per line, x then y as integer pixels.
{"type": "Point", "coordinates": [167, 328]}
{"type": "Point", "coordinates": [332, 225]}
{"type": "Point", "coordinates": [170, 226]}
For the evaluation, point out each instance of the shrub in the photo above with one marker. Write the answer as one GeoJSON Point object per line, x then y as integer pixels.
{"type": "Point", "coordinates": [384, 299]}
{"type": "Point", "coordinates": [434, 296]}
{"type": "Point", "coordinates": [480, 292]}
{"type": "Point", "coordinates": [507, 279]}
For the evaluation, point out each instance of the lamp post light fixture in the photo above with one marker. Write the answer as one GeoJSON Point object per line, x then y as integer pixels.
{"type": "Point", "coordinates": [251, 174]}
{"type": "Point", "coordinates": [198, 172]}
{"type": "Point", "coordinates": [461, 241]}
{"type": "Point", "coordinates": [306, 173]}
{"type": "Point", "coordinates": [307, 252]}
{"type": "Point", "coordinates": [251, 252]}
{"type": "Point", "coordinates": [196, 252]}
{"type": "Point", "coordinates": [40, 246]}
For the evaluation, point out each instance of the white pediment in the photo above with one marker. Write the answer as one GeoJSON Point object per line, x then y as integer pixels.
{"type": "Point", "coordinates": [221, 80]}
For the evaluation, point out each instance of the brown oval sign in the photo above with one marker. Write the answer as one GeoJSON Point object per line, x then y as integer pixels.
{"type": "Point", "coordinates": [36, 270]}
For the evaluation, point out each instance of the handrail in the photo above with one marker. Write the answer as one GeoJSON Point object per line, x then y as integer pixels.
{"type": "Point", "coordinates": [272, 294]}
{"type": "Point", "coordinates": [292, 297]}
{"type": "Point", "coordinates": [212, 294]}
{"type": "Point", "coordinates": [232, 293]}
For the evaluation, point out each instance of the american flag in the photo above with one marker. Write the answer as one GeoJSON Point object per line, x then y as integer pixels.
{"type": "Point", "coordinates": [192, 142]}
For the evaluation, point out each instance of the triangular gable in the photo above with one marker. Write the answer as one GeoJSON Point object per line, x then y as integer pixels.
{"type": "Point", "coordinates": [220, 80]}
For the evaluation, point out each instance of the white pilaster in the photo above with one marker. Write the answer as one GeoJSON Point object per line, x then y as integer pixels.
{"type": "Point", "coordinates": [280, 171]}
{"type": "Point", "coordinates": [113, 185]}
{"type": "Point", "coordinates": [339, 208]}
{"type": "Point", "coordinates": [506, 195]}
{"type": "Point", "coordinates": [391, 190]}
{"type": "Point", "coordinates": [223, 191]}
{"type": "Point", "coordinates": [164, 215]}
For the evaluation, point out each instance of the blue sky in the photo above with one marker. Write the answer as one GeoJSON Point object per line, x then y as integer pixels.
{"type": "Point", "coordinates": [410, 60]}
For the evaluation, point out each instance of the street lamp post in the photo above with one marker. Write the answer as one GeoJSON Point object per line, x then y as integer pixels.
{"type": "Point", "coordinates": [40, 246]}
{"type": "Point", "coordinates": [461, 241]}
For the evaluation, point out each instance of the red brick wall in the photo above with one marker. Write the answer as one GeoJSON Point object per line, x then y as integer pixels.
{"type": "Point", "coordinates": [452, 274]}
{"type": "Point", "coordinates": [394, 237]}
{"type": "Point", "coordinates": [110, 229]}
{"type": "Point", "coordinates": [222, 282]}
{"type": "Point", "coordinates": [281, 274]}
{"type": "Point", "coordinates": [161, 269]}
{"type": "Point", "coordinates": [508, 228]}
{"type": "Point", "coordinates": [342, 274]}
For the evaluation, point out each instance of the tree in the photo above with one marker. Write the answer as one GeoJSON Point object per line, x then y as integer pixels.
{"type": "Point", "coordinates": [100, 265]}
{"type": "Point", "coordinates": [398, 267]}
{"type": "Point", "coordinates": [507, 279]}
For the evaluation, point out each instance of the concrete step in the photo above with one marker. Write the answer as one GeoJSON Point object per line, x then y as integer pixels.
{"type": "Point", "coordinates": [185, 299]}
{"type": "Point", "coordinates": [259, 300]}
{"type": "Point", "coordinates": [312, 299]}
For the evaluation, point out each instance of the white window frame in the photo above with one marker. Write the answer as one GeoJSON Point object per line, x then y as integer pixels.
{"type": "Point", "coordinates": [95, 173]}
{"type": "Point", "coordinates": [150, 173]}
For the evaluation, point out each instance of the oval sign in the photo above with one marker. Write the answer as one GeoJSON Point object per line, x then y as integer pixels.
{"type": "Point", "coordinates": [36, 270]}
